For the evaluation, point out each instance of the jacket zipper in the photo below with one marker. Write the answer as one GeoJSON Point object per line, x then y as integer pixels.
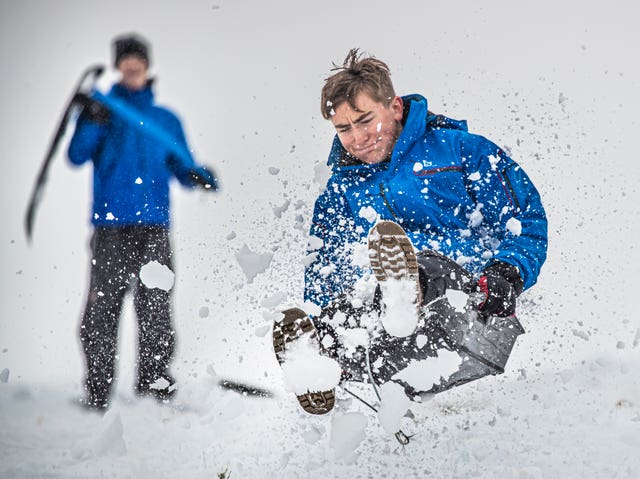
{"type": "Point", "coordinates": [511, 190]}
{"type": "Point", "coordinates": [387, 204]}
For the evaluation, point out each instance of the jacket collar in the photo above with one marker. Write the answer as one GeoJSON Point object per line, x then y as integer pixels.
{"type": "Point", "coordinates": [139, 98]}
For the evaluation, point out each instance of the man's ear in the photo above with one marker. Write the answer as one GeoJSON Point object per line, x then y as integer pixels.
{"type": "Point", "coordinates": [397, 105]}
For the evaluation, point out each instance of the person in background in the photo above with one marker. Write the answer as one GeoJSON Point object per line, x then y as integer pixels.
{"type": "Point", "coordinates": [136, 147]}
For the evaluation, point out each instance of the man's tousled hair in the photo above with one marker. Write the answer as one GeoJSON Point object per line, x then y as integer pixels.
{"type": "Point", "coordinates": [356, 75]}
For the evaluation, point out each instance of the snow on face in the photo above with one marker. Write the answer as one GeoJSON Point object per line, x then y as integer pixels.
{"type": "Point", "coordinates": [423, 374]}
{"type": "Point", "coordinates": [400, 317]}
{"type": "Point", "coordinates": [305, 369]}
{"type": "Point", "coordinates": [156, 275]}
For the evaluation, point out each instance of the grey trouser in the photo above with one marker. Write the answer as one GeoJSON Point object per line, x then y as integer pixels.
{"type": "Point", "coordinates": [483, 344]}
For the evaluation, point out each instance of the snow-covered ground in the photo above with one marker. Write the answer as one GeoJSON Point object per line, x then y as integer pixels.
{"type": "Point", "coordinates": [556, 83]}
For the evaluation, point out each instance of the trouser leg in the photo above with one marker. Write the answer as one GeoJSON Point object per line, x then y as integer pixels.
{"type": "Point", "coordinates": [482, 348]}
{"type": "Point", "coordinates": [109, 279]}
{"type": "Point", "coordinates": [156, 336]}
{"type": "Point", "coordinates": [483, 344]}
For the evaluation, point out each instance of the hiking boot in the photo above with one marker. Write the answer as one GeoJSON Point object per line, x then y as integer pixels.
{"type": "Point", "coordinates": [293, 326]}
{"type": "Point", "coordinates": [392, 256]}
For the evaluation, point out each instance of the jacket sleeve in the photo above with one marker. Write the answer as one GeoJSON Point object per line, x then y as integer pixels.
{"type": "Point", "coordinates": [181, 165]}
{"type": "Point", "coordinates": [509, 211]}
{"type": "Point", "coordinates": [330, 270]}
{"type": "Point", "coordinates": [86, 141]}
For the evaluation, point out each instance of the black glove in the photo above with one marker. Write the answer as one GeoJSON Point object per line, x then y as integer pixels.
{"type": "Point", "coordinates": [205, 178]}
{"type": "Point", "coordinates": [501, 284]}
{"type": "Point", "coordinates": [92, 110]}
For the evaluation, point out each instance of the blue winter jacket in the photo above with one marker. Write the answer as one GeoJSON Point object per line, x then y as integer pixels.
{"type": "Point", "coordinates": [452, 191]}
{"type": "Point", "coordinates": [131, 168]}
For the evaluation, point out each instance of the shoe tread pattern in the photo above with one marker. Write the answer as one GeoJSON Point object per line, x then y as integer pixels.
{"type": "Point", "coordinates": [294, 324]}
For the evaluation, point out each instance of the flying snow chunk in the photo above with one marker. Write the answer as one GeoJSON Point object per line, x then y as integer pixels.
{"type": "Point", "coordinates": [417, 166]}
{"type": "Point", "coordinates": [160, 383]}
{"type": "Point", "coordinates": [315, 243]}
{"type": "Point", "coordinates": [353, 337]}
{"type": "Point", "coordinates": [347, 432]}
{"type": "Point", "coordinates": [274, 300]}
{"type": "Point", "coordinates": [203, 312]}
{"type": "Point", "coordinates": [457, 299]}
{"type": "Point", "coordinates": [253, 264]}
{"type": "Point", "coordinates": [273, 170]}
{"type": "Point", "coordinates": [514, 226]}
{"type": "Point", "coordinates": [474, 176]}
{"type": "Point", "coordinates": [423, 374]}
{"type": "Point", "coordinates": [368, 213]}
{"type": "Point", "coordinates": [157, 275]}
{"type": "Point", "coordinates": [393, 406]}
{"type": "Point", "coordinates": [400, 318]}
{"type": "Point", "coordinates": [278, 210]}
{"type": "Point", "coordinates": [138, 181]}
{"type": "Point", "coordinates": [305, 369]}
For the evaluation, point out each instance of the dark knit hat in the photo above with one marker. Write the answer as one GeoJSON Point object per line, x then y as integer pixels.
{"type": "Point", "coordinates": [130, 44]}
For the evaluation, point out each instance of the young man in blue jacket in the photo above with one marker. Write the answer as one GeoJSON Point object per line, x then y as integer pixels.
{"type": "Point", "coordinates": [445, 209]}
{"type": "Point", "coordinates": [136, 147]}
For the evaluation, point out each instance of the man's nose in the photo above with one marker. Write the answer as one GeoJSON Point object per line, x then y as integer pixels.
{"type": "Point", "coordinates": [360, 135]}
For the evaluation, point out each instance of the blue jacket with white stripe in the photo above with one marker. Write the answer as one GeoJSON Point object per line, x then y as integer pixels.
{"type": "Point", "coordinates": [452, 191]}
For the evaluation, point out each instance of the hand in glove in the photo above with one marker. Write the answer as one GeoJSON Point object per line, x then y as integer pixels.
{"type": "Point", "coordinates": [204, 177]}
{"type": "Point", "coordinates": [92, 110]}
{"type": "Point", "coordinates": [501, 284]}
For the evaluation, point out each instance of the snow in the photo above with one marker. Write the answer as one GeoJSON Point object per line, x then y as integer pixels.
{"type": "Point", "coordinates": [423, 374]}
{"type": "Point", "coordinates": [157, 275]}
{"type": "Point", "coordinates": [563, 104]}
{"type": "Point", "coordinates": [252, 263]}
{"type": "Point", "coordinates": [514, 226]}
{"type": "Point", "coordinates": [305, 369]}
{"type": "Point", "coordinates": [394, 405]}
{"type": "Point", "coordinates": [399, 317]}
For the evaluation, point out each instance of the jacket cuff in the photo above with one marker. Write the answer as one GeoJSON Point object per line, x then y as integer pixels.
{"type": "Point", "coordinates": [509, 272]}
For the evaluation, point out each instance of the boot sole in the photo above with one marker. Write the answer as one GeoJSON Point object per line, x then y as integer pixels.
{"type": "Point", "coordinates": [294, 324]}
{"type": "Point", "coordinates": [391, 255]}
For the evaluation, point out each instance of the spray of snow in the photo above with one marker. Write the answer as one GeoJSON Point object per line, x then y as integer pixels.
{"type": "Point", "coordinates": [157, 275]}
{"type": "Point", "coordinates": [305, 369]}
{"type": "Point", "coordinates": [400, 317]}
{"type": "Point", "coordinates": [394, 404]}
{"type": "Point", "coordinates": [253, 264]}
{"type": "Point", "coordinates": [423, 374]}
{"type": "Point", "coordinates": [347, 432]}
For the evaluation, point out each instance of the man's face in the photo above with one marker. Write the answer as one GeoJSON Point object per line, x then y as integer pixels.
{"type": "Point", "coordinates": [370, 132]}
{"type": "Point", "coordinates": [134, 72]}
